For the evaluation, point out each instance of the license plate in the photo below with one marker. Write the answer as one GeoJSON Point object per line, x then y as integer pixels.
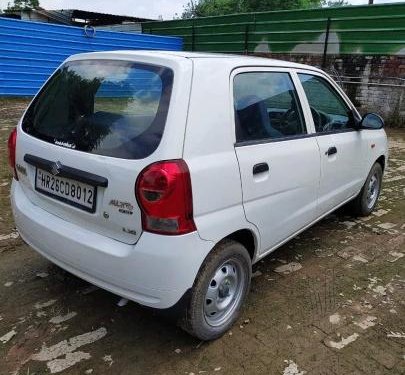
{"type": "Point", "coordinates": [75, 193]}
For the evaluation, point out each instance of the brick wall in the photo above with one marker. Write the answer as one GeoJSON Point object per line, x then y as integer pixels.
{"type": "Point", "coordinates": [374, 83]}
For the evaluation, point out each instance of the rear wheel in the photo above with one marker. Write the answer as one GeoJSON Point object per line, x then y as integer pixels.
{"type": "Point", "coordinates": [367, 199]}
{"type": "Point", "coordinates": [219, 291]}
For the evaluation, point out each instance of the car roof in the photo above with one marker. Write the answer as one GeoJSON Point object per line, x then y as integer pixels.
{"type": "Point", "coordinates": [237, 60]}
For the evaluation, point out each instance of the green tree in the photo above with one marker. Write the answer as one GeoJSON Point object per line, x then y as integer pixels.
{"type": "Point", "coordinates": [334, 3]}
{"type": "Point", "coordinates": [267, 5]}
{"type": "Point", "coordinates": [205, 8]}
{"type": "Point", "coordinates": [22, 5]}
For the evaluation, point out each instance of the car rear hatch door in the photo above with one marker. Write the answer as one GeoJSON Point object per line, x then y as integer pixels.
{"type": "Point", "coordinates": [88, 134]}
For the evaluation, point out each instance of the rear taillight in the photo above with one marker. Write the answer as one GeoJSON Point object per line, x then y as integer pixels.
{"type": "Point", "coordinates": [163, 191]}
{"type": "Point", "coordinates": [12, 141]}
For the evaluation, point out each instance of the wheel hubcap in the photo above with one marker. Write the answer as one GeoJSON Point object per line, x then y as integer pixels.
{"type": "Point", "coordinates": [372, 191]}
{"type": "Point", "coordinates": [224, 292]}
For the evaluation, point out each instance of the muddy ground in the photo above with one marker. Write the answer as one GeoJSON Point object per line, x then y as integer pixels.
{"type": "Point", "coordinates": [338, 308]}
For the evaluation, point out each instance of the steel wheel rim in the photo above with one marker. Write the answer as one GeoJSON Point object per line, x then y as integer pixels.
{"type": "Point", "coordinates": [224, 292]}
{"type": "Point", "coordinates": [372, 190]}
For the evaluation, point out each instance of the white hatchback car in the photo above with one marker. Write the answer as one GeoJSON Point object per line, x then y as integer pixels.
{"type": "Point", "coordinates": [163, 176]}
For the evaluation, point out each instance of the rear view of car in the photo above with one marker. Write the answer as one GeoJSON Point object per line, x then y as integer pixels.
{"type": "Point", "coordinates": [94, 158]}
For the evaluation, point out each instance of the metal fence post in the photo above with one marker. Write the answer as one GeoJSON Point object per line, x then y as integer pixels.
{"type": "Point", "coordinates": [325, 46]}
{"type": "Point", "coordinates": [192, 38]}
{"type": "Point", "coordinates": [246, 39]}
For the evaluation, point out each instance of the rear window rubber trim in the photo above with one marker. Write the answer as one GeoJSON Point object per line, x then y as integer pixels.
{"type": "Point", "coordinates": [65, 171]}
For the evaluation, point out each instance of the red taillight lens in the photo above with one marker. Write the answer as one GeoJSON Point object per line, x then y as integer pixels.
{"type": "Point", "coordinates": [12, 141]}
{"type": "Point", "coordinates": [163, 191]}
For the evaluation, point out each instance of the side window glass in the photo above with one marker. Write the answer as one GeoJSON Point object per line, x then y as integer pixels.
{"type": "Point", "coordinates": [266, 107]}
{"type": "Point", "coordinates": [329, 111]}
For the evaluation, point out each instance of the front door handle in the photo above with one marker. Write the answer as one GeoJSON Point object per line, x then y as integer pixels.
{"type": "Point", "coordinates": [260, 168]}
{"type": "Point", "coordinates": [331, 151]}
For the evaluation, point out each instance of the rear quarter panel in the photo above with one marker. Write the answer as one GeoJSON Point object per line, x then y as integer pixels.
{"type": "Point", "coordinates": [210, 154]}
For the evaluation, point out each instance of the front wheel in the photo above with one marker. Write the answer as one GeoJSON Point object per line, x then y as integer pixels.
{"type": "Point", "coordinates": [367, 199]}
{"type": "Point", "coordinates": [219, 291]}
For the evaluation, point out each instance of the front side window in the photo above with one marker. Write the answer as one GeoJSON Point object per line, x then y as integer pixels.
{"type": "Point", "coordinates": [266, 107]}
{"type": "Point", "coordinates": [105, 107]}
{"type": "Point", "coordinates": [329, 111]}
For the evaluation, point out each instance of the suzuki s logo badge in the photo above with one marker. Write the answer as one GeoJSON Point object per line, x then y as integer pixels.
{"type": "Point", "coordinates": [56, 167]}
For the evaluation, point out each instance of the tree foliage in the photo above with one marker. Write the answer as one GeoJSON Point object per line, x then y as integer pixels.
{"type": "Point", "coordinates": [22, 5]}
{"type": "Point", "coordinates": [205, 8]}
{"type": "Point", "coordinates": [267, 5]}
{"type": "Point", "coordinates": [335, 3]}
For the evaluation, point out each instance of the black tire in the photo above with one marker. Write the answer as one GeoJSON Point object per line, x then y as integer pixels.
{"type": "Point", "coordinates": [196, 320]}
{"type": "Point", "coordinates": [361, 206]}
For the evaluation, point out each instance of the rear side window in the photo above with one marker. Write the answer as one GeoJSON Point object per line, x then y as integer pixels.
{"type": "Point", "coordinates": [266, 107]}
{"type": "Point", "coordinates": [105, 107]}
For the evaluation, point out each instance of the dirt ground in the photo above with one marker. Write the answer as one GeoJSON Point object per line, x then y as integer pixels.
{"type": "Point", "coordinates": [332, 301]}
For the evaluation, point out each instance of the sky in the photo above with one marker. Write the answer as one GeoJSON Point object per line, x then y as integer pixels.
{"type": "Point", "coordinates": [139, 8]}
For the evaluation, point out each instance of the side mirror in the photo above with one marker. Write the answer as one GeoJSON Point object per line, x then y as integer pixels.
{"type": "Point", "coordinates": [371, 121]}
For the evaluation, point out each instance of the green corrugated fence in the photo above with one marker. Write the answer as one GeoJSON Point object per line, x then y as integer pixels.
{"type": "Point", "coordinates": [371, 30]}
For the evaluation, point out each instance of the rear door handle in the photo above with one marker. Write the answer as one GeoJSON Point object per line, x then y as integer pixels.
{"type": "Point", "coordinates": [260, 168]}
{"type": "Point", "coordinates": [331, 151]}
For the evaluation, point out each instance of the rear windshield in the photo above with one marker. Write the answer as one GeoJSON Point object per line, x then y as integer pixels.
{"type": "Point", "coordinates": [105, 107]}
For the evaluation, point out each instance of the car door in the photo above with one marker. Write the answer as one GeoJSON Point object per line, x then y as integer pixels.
{"type": "Point", "coordinates": [278, 158]}
{"type": "Point", "coordinates": [340, 144]}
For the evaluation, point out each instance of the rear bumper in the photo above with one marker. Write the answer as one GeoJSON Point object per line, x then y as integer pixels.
{"type": "Point", "coordinates": [155, 272]}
